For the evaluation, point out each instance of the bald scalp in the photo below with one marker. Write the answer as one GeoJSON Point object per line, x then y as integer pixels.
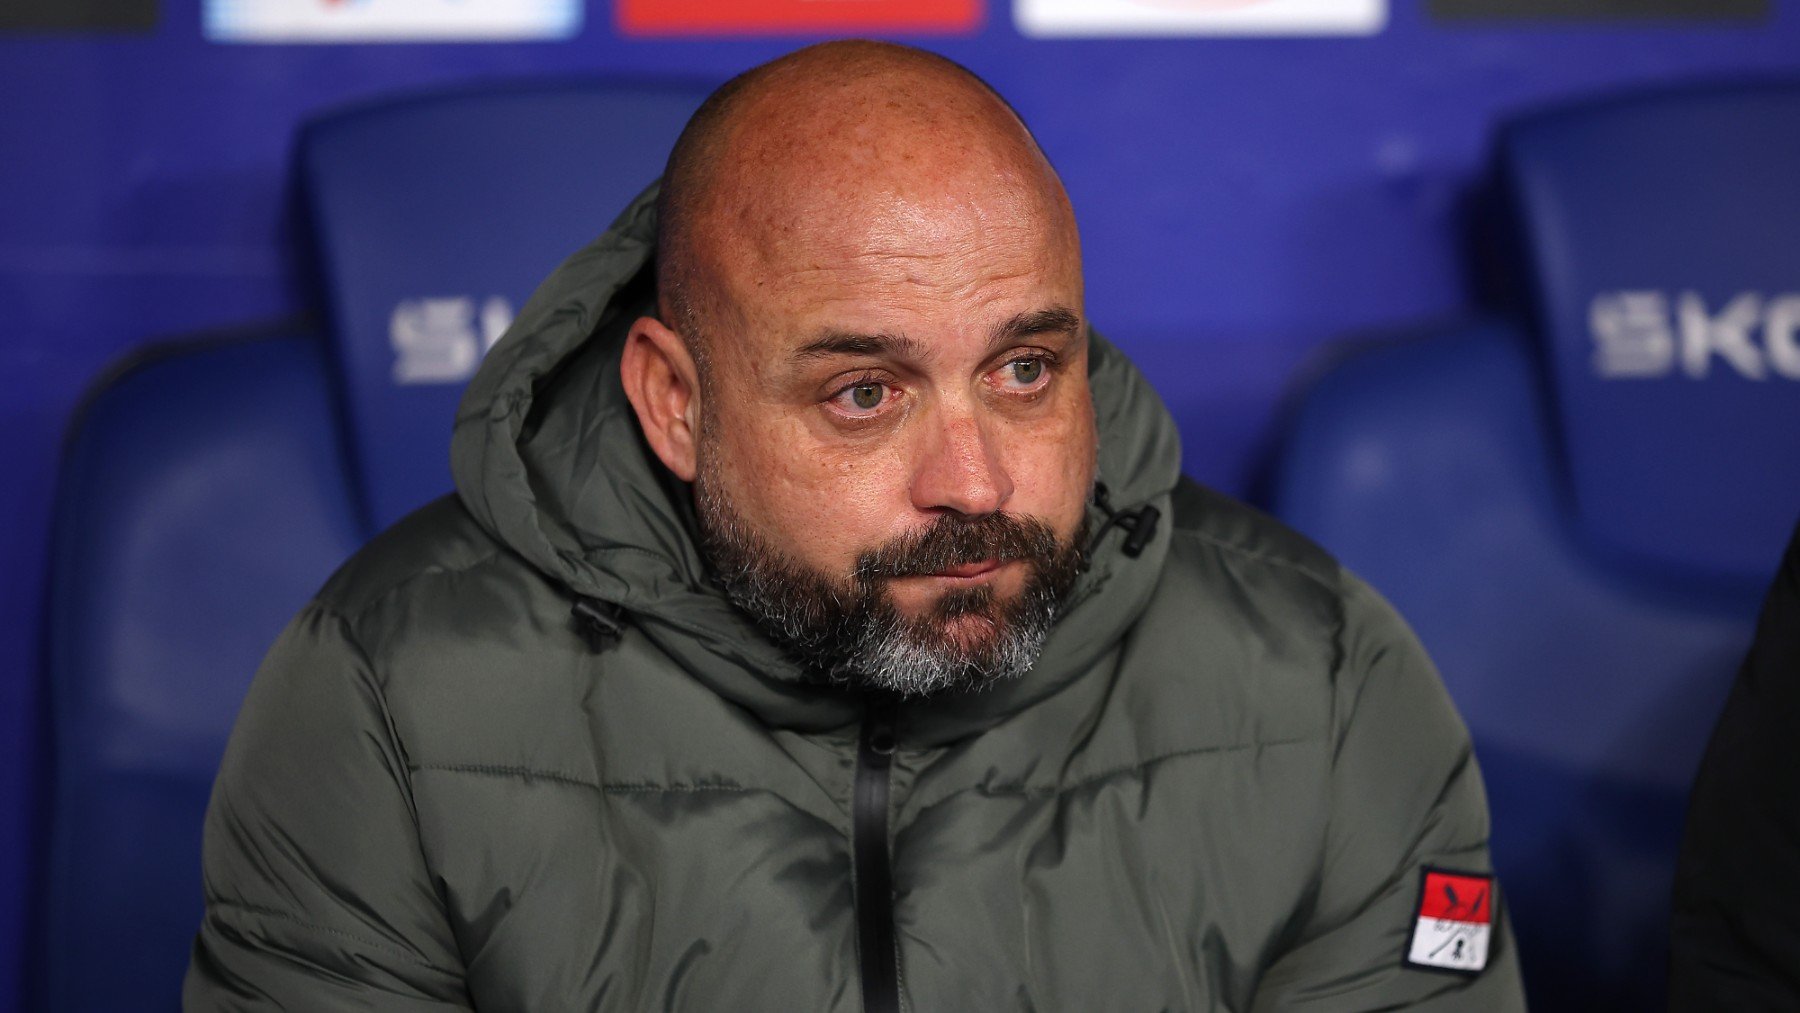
{"type": "Point", "coordinates": [796, 143]}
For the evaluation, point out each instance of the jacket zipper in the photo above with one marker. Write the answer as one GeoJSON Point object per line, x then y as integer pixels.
{"type": "Point", "coordinates": [874, 873]}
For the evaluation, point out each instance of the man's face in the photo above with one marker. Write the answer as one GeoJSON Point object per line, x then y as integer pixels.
{"type": "Point", "coordinates": [897, 441]}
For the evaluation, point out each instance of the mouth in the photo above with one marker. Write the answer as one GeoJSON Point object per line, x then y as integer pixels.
{"type": "Point", "coordinates": [967, 572]}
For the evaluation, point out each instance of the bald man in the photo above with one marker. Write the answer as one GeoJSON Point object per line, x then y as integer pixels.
{"type": "Point", "coordinates": [822, 623]}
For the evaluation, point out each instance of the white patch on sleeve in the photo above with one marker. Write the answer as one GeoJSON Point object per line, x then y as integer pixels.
{"type": "Point", "coordinates": [1452, 945]}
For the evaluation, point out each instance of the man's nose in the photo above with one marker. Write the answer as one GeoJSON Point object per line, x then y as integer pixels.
{"type": "Point", "coordinates": [961, 468]}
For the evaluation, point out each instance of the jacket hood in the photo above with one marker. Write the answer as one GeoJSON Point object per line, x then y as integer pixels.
{"type": "Point", "coordinates": [548, 457]}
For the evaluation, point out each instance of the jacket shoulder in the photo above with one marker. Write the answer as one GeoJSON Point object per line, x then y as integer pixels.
{"type": "Point", "coordinates": [1207, 518]}
{"type": "Point", "coordinates": [438, 610]}
{"type": "Point", "coordinates": [1264, 602]}
{"type": "Point", "coordinates": [1227, 540]}
{"type": "Point", "coordinates": [1251, 603]}
{"type": "Point", "coordinates": [439, 539]}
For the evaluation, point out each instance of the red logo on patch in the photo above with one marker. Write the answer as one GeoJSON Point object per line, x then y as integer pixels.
{"type": "Point", "coordinates": [764, 17]}
{"type": "Point", "coordinates": [1450, 897]}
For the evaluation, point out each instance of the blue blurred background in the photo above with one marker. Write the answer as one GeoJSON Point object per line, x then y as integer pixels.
{"type": "Point", "coordinates": [1251, 207]}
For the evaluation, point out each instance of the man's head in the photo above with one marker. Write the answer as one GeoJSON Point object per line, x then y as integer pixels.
{"type": "Point", "coordinates": [871, 361]}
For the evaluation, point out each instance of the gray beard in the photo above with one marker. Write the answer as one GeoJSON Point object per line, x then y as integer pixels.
{"type": "Point", "coordinates": [851, 632]}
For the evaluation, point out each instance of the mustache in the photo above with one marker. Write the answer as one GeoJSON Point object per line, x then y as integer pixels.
{"type": "Point", "coordinates": [958, 540]}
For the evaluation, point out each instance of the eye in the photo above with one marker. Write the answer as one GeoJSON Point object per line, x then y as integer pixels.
{"type": "Point", "coordinates": [866, 396]}
{"type": "Point", "coordinates": [1022, 373]}
{"type": "Point", "coordinates": [863, 398]}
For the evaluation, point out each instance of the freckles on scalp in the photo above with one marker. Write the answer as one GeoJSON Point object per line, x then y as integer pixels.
{"type": "Point", "coordinates": [844, 152]}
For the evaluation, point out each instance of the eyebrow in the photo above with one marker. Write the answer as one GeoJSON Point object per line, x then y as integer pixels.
{"type": "Point", "coordinates": [1055, 319]}
{"type": "Point", "coordinates": [848, 343]}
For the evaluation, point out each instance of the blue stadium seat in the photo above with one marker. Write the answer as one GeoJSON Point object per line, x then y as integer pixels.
{"type": "Point", "coordinates": [210, 488]}
{"type": "Point", "coordinates": [1578, 511]}
{"type": "Point", "coordinates": [433, 220]}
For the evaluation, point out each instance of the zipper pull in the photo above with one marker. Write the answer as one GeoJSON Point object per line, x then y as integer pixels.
{"type": "Point", "coordinates": [878, 741]}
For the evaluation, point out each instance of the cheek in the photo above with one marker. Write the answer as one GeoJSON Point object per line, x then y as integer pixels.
{"type": "Point", "coordinates": [1052, 465]}
{"type": "Point", "coordinates": [822, 503]}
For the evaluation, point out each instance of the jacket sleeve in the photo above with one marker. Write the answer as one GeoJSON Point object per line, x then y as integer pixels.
{"type": "Point", "coordinates": [317, 894]}
{"type": "Point", "coordinates": [1736, 942]}
{"type": "Point", "coordinates": [1406, 795]}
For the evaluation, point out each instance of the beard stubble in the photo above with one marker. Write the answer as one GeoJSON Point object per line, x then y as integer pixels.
{"type": "Point", "coordinates": [851, 631]}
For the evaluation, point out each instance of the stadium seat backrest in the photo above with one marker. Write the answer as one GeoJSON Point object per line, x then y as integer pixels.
{"type": "Point", "coordinates": [1664, 233]}
{"type": "Point", "coordinates": [208, 491]}
{"type": "Point", "coordinates": [433, 220]}
{"type": "Point", "coordinates": [202, 502]}
{"type": "Point", "coordinates": [1577, 509]}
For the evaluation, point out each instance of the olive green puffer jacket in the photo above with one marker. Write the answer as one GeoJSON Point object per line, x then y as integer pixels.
{"type": "Point", "coordinates": [521, 754]}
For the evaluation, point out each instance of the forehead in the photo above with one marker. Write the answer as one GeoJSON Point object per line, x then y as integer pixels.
{"type": "Point", "coordinates": [879, 196]}
{"type": "Point", "coordinates": [881, 257]}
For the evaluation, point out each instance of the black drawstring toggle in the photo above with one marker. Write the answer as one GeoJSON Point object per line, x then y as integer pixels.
{"type": "Point", "coordinates": [1139, 525]}
{"type": "Point", "coordinates": [1143, 528]}
{"type": "Point", "coordinates": [603, 620]}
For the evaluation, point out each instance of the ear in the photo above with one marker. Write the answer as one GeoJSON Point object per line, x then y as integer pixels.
{"type": "Point", "coordinates": [663, 385]}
